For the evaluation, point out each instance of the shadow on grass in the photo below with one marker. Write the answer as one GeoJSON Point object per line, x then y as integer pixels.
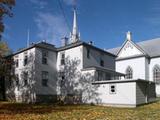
{"type": "Point", "coordinates": [19, 108]}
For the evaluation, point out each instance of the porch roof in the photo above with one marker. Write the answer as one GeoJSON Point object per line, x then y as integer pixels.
{"type": "Point", "coordinates": [97, 68]}
{"type": "Point", "coordinates": [122, 81]}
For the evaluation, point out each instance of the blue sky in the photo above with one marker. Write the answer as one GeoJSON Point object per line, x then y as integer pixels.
{"type": "Point", "coordinates": [105, 22]}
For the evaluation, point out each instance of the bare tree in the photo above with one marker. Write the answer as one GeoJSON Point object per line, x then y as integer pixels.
{"type": "Point", "coordinates": [22, 88]}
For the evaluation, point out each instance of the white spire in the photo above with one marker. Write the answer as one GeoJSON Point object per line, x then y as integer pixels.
{"type": "Point", "coordinates": [129, 35]}
{"type": "Point", "coordinates": [75, 35]}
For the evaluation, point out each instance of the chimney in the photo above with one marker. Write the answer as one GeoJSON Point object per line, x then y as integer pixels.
{"type": "Point", "coordinates": [129, 35]}
{"type": "Point", "coordinates": [90, 42]}
{"type": "Point", "coordinates": [64, 41]}
{"type": "Point", "coordinates": [44, 41]}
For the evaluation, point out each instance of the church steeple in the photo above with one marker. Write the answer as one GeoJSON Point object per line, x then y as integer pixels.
{"type": "Point", "coordinates": [75, 36]}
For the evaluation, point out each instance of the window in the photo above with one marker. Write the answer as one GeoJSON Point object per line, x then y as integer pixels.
{"type": "Point", "coordinates": [129, 73]}
{"type": "Point", "coordinates": [17, 80]}
{"type": "Point", "coordinates": [88, 53]}
{"type": "Point", "coordinates": [62, 59]}
{"type": "Point", "coordinates": [17, 63]}
{"type": "Point", "coordinates": [112, 89]}
{"type": "Point", "coordinates": [25, 76]}
{"type": "Point", "coordinates": [100, 76]}
{"type": "Point", "coordinates": [156, 74]}
{"type": "Point", "coordinates": [62, 81]}
{"type": "Point", "coordinates": [25, 60]}
{"type": "Point", "coordinates": [45, 77]}
{"type": "Point", "coordinates": [44, 57]}
{"type": "Point", "coordinates": [101, 63]}
{"type": "Point", "coordinates": [10, 82]}
{"type": "Point", "coordinates": [107, 76]}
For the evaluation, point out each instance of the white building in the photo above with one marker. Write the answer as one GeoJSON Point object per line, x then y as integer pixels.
{"type": "Point", "coordinates": [139, 60]}
{"type": "Point", "coordinates": [82, 73]}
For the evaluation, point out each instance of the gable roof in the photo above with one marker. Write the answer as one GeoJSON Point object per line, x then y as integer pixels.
{"type": "Point", "coordinates": [42, 45]}
{"type": "Point", "coordinates": [134, 44]}
{"type": "Point", "coordinates": [69, 46]}
{"type": "Point", "coordinates": [150, 47]}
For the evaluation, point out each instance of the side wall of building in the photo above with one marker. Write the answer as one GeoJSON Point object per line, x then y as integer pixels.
{"type": "Point", "coordinates": [95, 57]}
{"type": "Point", "coordinates": [125, 94]}
{"type": "Point", "coordinates": [138, 66]}
{"type": "Point", "coordinates": [141, 93]}
{"type": "Point", "coordinates": [48, 92]}
{"type": "Point", "coordinates": [73, 54]}
{"type": "Point", "coordinates": [153, 63]}
{"type": "Point", "coordinates": [17, 89]}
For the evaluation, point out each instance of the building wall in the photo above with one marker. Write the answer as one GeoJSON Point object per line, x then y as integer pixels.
{"type": "Point", "coordinates": [153, 62]}
{"type": "Point", "coordinates": [125, 94]}
{"type": "Point", "coordinates": [50, 68]}
{"type": "Point", "coordinates": [141, 93]}
{"type": "Point", "coordinates": [20, 91]}
{"type": "Point", "coordinates": [95, 57]}
{"type": "Point", "coordinates": [147, 68]}
{"type": "Point", "coordinates": [152, 92]}
{"type": "Point", "coordinates": [34, 89]}
{"type": "Point", "coordinates": [138, 66]}
{"type": "Point", "coordinates": [145, 92]}
{"type": "Point", "coordinates": [71, 54]}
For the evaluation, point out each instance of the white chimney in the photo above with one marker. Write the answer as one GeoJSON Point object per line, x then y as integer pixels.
{"type": "Point", "coordinates": [129, 35]}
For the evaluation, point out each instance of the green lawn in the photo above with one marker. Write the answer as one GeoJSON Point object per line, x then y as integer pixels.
{"type": "Point", "coordinates": [13, 111]}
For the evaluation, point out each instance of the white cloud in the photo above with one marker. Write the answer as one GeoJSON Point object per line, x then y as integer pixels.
{"type": "Point", "coordinates": [51, 27]}
{"type": "Point", "coordinates": [39, 3]}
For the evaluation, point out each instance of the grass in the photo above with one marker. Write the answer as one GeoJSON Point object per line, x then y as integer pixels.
{"type": "Point", "coordinates": [15, 111]}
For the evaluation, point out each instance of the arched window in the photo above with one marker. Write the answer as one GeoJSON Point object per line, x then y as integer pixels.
{"type": "Point", "coordinates": [156, 74]}
{"type": "Point", "coordinates": [129, 73]}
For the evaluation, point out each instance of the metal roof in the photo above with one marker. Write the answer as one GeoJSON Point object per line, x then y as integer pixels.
{"type": "Point", "coordinates": [151, 47]}
{"type": "Point", "coordinates": [113, 72]}
{"type": "Point", "coordinates": [78, 43]}
{"type": "Point", "coordinates": [69, 46]}
{"type": "Point", "coordinates": [122, 81]}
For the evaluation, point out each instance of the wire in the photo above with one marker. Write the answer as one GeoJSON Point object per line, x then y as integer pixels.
{"type": "Point", "coordinates": [62, 9]}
